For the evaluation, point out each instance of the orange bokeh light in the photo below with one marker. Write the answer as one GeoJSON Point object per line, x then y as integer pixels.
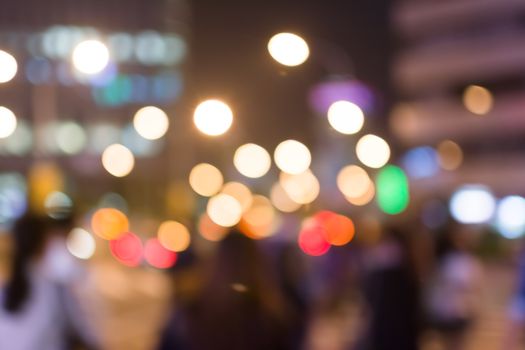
{"type": "Point", "coordinates": [109, 223]}
{"type": "Point", "coordinates": [210, 230]}
{"type": "Point", "coordinates": [174, 236]}
{"type": "Point", "coordinates": [338, 229]}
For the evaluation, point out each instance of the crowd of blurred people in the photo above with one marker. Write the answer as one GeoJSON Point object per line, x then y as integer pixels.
{"type": "Point", "coordinates": [251, 294]}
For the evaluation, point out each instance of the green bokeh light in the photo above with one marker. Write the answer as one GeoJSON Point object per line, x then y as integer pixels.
{"type": "Point", "coordinates": [392, 190]}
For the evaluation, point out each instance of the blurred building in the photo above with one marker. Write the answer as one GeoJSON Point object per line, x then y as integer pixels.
{"type": "Point", "coordinates": [458, 77]}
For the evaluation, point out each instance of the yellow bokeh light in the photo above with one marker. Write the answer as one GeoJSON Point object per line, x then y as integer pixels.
{"type": "Point", "coordinates": [478, 100]}
{"type": "Point", "coordinates": [252, 160]}
{"type": "Point", "coordinates": [288, 49]}
{"type": "Point", "coordinates": [7, 122]}
{"type": "Point", "coordinates": [450, 155]}
{"type": "Point", "coordinates": [260, 220]}
{"type": "Point", "coordinates": [151, 122]}
{"type": "Point", "coordinates": [302, 188]}
{"type": "Point", "coordinates": [281, 200]}
{"type": "Point", "coordinates": [292, 157]}
{"type": "Point", "coordinates": [109, 223]}
{"type": "Point", "coordinates": [210, 230]}
{"type": "Point", "coordinates": [373, 151]}
{"type": "Point", "coordinates": [353, 181]}
{"type": "Point", "coordinates": [240, 192]}
{"type": "Point", "coordinates": [44, 178]}
{"type": "Point", "coordinates": [8, 67]}
{"type": "Point", "coordinates": [174, 236]}
{"type": "Point", "coordinates": [365, 198]}
{"type": "Point", "coordinates": [346, 117]}
{"type": "Point", "coordinates": [81, 244]}
{"type": "Point", "coordinates": [213, 117]}
{"type": "Point", "coordinates": [118, 160]}
{"type": "Point", "coordinates": [90, 57]}
{"type": "Point", "coordinates": [205, 179]}
{"type": "Point", "coordinates": [224, 210]}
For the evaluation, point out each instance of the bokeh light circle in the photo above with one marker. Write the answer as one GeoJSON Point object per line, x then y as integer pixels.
{"type": "Point", "coordinates": [510, 217]}
{"type": "Point", "coordinates": [8, 67]}
{"type": "Point", "coordinates": [174, 236]}
{"type": "Point", "coordinates": [8, 122]}
{"type": "Point", "coordinates": [288, 49]}
{"type": "Point", "coordinates": [210, 230]}
{"type": "Point", "coordinates": [346, 117]}
{"type": "Point", "coordinates": [109, 223]}
{"type": "Point", "coordinates": [450, 155]}
{"type": "Point", "coordinates": [252, 160]}
{"type": "Point", "coordinates": [373, 151]}
{"type": "Point", "coordinates": [81, 244]}
{"type": "Point", "coordinates": [240, 192]}
{"type": "Point", "coordinates": [224, 210]}
{"type": "Point", "coordinates": [127, 249]}
{"type": "Point", "coordinates": [90, 57]}
{"type": "Point", "coordinates": [302, 188]}
{"type": "Point", "coordinates": [338, 229]}
{"type": "Point", "coordinates": [158, 256]}
{"type": "Point", "coordinates": [292, 157]}
{"type": "Point", "coordinates": [472, 204]}
{"type": "Point", "coordinates": [118, 160]}
{"type": "Point", "coordinates": [205, 179]}
{"type": "Point", "coordinates": [281, 200]}
{"type": "Point", "coordinates": [213, 117]}
{"type": "Point", "coordinates": [151, 122]}
{"type": "Point", "coordinates": [353, 181]}
{"type": "Point", "coordinates": [312, 239]}
{"type": "Point", "coordinates": [477, 99]}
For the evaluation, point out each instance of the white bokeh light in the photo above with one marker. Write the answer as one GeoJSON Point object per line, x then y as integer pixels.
{"type": "Point", "coordinates": [373, 151]}
{"type": "Point", "coordinates": [81, 244]}
{"type": "Point", "coordinates": [510, 217]}
{"type": "Point", "coordinates": [213, 117]}
{"type": "Point", "coordinates": [151, 122]}
{"type": "Point", "coordinates": [8, 67]}
{"type": "Point", "coordinates": [7, 122]}
{"type": "Point", "coordinates": [90, 57]}
{"type": "Point", "coordinates": [288, 49]}
{"type": "Point", "coordinates": [346, 117]}
{"type": "Point", "coordinates": [292, 157]}
{"type": "Point", "coordinates": [118, 160]}
{"type": "Point", "coordinates": [472, 204]}
{"type": "Point", "coordinates": [224, 210]}
{"type": "Point", "coordinates": [252, 160]}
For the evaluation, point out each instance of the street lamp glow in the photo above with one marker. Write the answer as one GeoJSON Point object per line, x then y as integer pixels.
{"type": "Point", "coordinates": [373, 151]}
{"type": "Point", "coordinates": [8, 67]}
{"type": "Point", "coordinates": [252, 160]}
{"type": "Point", "coordinates": [7, 122]}
{"type": "Point", "coordinates": [151, 122]}
{"type": "Point", "coordinates": [213, 117]}
{"type": "Point", "coordinates": [118, 160]}
{"type": "Point", "coordinates": [288, 49]}
{"type": "Point", "coordinates": [292, 157]}
{"type": "Point", "coordinates": [90, 57]}
{"type": "Point", "coordinates": [346, 117]}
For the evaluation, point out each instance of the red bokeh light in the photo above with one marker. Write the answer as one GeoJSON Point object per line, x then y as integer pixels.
{"type": "Point", "coordinates": [158, 256]}
{"type": "Point", "coordinates": [127, 249]}
{"type": "Point", "coordinates": [338, 229]}
{"type": "Point", "coordinates": [312, 241]}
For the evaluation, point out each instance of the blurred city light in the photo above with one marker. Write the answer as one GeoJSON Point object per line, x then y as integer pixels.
{"type": "Point", "coordinates": [302, 188]}
{"type": "Point", "coordinates": [58, 205]}
{"type": "Point", "coordinates": [338, 229]}
{"type": "Point", "coordinates": [477, 99]}
{"type": "Point", "coordinates": [472, 204]}
{"type": "Point", "coordinates": [13, 197]}
{"type": "Point", "coordinates": [312, 238]}
{"type": "Point", "coordinates": [109, 223]}
{"type": "Point", "coordinates": [346, 117]}
{"type": "Point", "coordinates": [292, 157]}
{"type": "Point", "coordinates": [281, 200]}
{"type": "Point", "coordinates": [7, 122]}
{"type": "Point", "coordinates": [70, 137]}
{"type": "Point", "coordinates": [450, 155]}
{"type": "Point", "coordinates": [151, 122]}
{"type": "Point", "coordinates": [158, 256]}
{"type": "Point", "coordinates": [102, 135]}
{"type": "Point", "coordinates": [353, 181]}
{"type": "Point", "coordinates": [174, 236]}
{"type": "Point", "coordinates": [373, 151]}
{"type": "Point", "coordinates": [240, 192]}
{"type": "Point", "coordinates": [288, 49]}
{"type": "Point", "coordinates": [127, 249]}
{"type": "Point", "coordinates": [421, 162]}
{"type": "Point", "coordinates": [260, 219]}
{"type": "Point", "coordinates": [252, 160]}
{"type": "Point", "coordinates": [392, 190]}
{"type": "Point", "coordinates": [213, 117]}
{"type": "Point", "coordinates": [118, 160]}
{"type": "Point", "coordinates": [205, 179]}
{"type": "Point", "coordinates": [510, 217]}
{"type": "Point", "coordinates": [20, 142]}
{"type": "Point", "coordinates": [8, 67]}
{"type": "Point", "coordinates": [210, 230]}
{"type": "Point", "coordinates": [365, 198]}
{"type": "Point", "coordinates": [224, 210]}
{"type": "Point", "coordinates": [90, 57]}
{"type": "Point", "coordinates": [81, 244]}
